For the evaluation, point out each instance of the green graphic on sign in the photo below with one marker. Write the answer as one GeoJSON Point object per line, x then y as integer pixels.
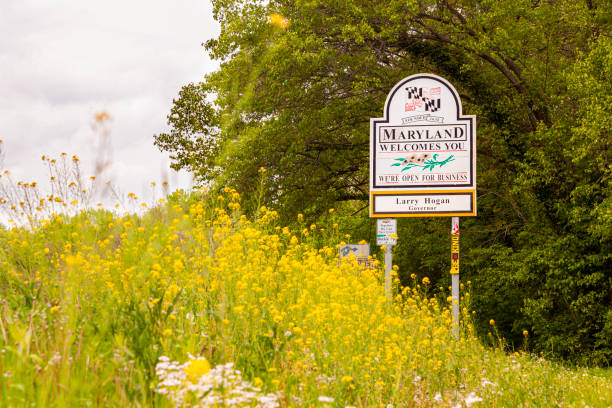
{"type": "Point", "coordinates": [427, 164]}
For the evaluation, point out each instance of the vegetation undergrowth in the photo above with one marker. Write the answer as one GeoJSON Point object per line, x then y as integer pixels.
{"type": "Point", "coordinates": [194, 304]}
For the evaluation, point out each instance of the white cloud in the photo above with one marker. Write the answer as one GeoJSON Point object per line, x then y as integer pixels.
{"type": "Point", "coordinates": [63, 61]}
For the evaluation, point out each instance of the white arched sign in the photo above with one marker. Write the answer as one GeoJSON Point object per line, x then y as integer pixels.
{"type": "Point", "coordinates": [423, 152]}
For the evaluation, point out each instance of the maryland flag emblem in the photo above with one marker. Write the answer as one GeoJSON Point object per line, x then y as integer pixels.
{"type": "Point", "coordinates": [422, 99]}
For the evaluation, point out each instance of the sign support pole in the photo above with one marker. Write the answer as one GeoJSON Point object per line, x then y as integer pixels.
{"type": "Point", "coordinates": [386, 234]}
{"type": "Point", "coordinates": [455, 273]}
{"type": "Point", "coordinates": [388, 267]}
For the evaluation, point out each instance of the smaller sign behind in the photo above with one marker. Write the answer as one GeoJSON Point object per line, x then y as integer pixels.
{"type": "Point", "coordinates": [455, 247]}
{"type": "Point", "coordinates": [384, 229]}
{"type": "Point", "coordinates": [359, 251]}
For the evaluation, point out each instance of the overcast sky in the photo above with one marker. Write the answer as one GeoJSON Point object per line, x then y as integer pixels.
{"type": "Point", "coordinates": [63, 61]}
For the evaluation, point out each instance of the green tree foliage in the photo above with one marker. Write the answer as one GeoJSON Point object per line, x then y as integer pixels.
{"type": "Point", "coordinates": [296, 98]}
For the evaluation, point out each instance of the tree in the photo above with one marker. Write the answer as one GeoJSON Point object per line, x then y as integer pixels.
{"type": "Point", "coordinates": [300, 79]}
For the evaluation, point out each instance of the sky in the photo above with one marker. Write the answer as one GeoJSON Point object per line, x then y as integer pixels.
{"type": "Point", "coordinates": [64, 61]}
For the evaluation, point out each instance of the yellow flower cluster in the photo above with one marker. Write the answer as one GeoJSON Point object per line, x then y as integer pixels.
{"type": "Point", "coordinates": [107, 296]}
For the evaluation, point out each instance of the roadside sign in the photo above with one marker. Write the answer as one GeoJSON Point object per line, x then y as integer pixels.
{"type": "Point", "coordinates": [384, 229]}
{"type": "Point", "coordinates": [455, 246]}
{"type": "Point", "coordinates": [423, 152]}
{"type": "Point", "coordinates": [359, 251]}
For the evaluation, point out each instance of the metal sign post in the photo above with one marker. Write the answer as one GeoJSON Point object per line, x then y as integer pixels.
{"type": "Point", "coordinates": [386, 234]}
{"type": "Point", "coordinates": [455, 273]}
{"type": "Point", "coordinates": [388, 267]}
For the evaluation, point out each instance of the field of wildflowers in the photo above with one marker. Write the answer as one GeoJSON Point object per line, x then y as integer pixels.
{"type": "Point", "coordinates": [193, 304]}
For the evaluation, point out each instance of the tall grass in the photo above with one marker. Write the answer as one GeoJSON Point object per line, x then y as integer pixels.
{"type": "Point", "coordinates": [107, 310]}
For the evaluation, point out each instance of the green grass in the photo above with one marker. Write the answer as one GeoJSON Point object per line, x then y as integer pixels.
{"type": "Point", "coordinates": [89, 304]}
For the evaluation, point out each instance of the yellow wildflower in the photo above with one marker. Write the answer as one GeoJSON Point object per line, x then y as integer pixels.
{"type": "Point", "coordinates": [197, 368]}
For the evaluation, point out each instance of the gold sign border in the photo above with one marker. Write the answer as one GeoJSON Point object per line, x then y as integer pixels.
{"type": "Point", "coordinates": [423, 214]}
